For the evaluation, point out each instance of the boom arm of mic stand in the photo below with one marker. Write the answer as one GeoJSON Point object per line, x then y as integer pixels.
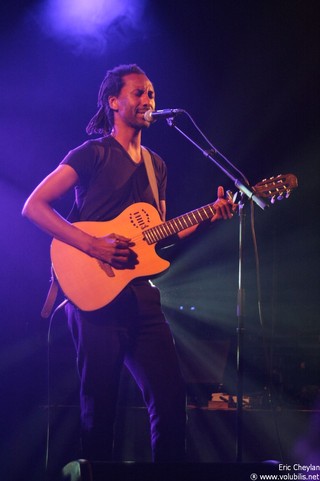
{"type": "Point", "coordinates": [250, 194]}
{"type": "Point", "coordinates": [239, 185]}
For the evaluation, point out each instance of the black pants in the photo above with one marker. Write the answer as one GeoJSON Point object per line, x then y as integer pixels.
{"type": "Point", "coordinates": [131, 330]}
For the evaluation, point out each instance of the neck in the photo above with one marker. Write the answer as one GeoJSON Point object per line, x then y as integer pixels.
{"type": "Point", "coordinates": [128, 136]}
{"type": "Point", "coordinates": [130, 141]}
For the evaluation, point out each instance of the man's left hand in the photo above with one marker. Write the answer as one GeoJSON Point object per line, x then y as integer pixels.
{"type": "Point", "coordinates": [223, 206]}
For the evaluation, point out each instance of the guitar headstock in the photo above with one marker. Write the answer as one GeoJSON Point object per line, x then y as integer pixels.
{"type": "Point", "coordinates": [276, 188]}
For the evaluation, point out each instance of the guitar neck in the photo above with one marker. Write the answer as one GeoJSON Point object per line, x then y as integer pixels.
{"type": "Point", "coordinates": [178, 224]}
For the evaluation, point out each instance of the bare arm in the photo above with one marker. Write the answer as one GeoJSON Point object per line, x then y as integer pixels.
{"type": "Point", "coordinates": [38, 208]}
{"type": "Point", "coordinates": [114, 249]}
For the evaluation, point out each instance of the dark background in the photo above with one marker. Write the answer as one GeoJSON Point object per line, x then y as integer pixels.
{"type": "Point", "coordinates": [248, 74]}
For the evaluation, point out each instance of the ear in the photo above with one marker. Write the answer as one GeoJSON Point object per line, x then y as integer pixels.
{"type": "Point", "coordinates": [113, 103]}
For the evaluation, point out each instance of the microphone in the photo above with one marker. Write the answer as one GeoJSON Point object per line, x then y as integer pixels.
{"type": "Point", "coordinates": [152, 115]}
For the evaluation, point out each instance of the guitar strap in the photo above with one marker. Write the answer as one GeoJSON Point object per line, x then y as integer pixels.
{"type": "Point", "coordinates": [151, 177]}
{"type": "Point", "coordinates": [51, 296]}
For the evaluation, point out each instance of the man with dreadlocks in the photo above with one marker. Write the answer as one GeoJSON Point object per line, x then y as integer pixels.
{"type": "Point", "coordinates": [108, 174]}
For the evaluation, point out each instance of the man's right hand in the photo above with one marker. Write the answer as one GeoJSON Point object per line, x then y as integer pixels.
{"type": "Point", "coordinates": [114, 249]}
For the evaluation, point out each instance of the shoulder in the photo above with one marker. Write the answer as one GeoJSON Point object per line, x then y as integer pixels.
{"type": "Point", "coordinates": [87, 152]}
{"type": "Point", "coordinates": [91, 146]}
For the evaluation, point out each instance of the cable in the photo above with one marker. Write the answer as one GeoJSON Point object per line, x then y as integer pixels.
{"type": "Point", "coordinates": [62, 304]}
{"type": "Point", "coordinates": [215, 150]}
{"type": "Point", "coordinates": [268, 358]}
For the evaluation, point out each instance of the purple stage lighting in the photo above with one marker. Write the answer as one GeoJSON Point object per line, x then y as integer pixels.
{"type": "Point", "coordinates": [91, 24]}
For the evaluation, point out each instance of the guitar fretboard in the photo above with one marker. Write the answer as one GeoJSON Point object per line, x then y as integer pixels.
{"type": "Point", "coordinates": [173, 226]}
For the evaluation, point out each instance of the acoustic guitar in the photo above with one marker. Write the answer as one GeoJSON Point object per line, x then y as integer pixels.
{"type": "Point", "coordinates": [91, 283]}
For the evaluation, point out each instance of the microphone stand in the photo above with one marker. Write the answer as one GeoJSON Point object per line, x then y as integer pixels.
{"type": "Point", "coordinates": [246, 192]}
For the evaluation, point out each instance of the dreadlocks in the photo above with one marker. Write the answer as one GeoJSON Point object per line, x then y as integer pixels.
{"type": "Point", "coordinates": [102, 121]}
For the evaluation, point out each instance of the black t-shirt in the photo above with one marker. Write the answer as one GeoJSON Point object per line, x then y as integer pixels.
{"type": "Point", "coordinates": [109, 180]}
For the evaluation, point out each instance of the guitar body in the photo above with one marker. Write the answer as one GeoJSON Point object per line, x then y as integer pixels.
{"type": "Point", "coordinates": [91, 284]}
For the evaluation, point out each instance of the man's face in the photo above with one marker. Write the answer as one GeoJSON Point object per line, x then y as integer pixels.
{"type": "Point", "coordinates": [135, 98]}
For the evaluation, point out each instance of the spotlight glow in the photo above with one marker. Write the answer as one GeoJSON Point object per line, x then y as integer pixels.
{"type": "Point", "coordinates": [91, 24]}
{"type": "Point", "coordinates": [80, 17]}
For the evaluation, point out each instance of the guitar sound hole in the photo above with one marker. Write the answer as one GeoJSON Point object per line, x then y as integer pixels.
{"type": "Point", "coordinates": [140, 219]}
